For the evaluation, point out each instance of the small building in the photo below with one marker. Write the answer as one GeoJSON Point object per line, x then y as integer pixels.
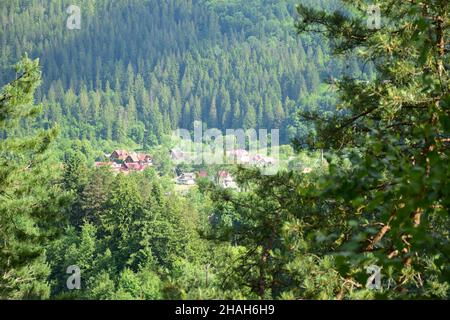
{"type": "Point", "coordinates": [145, 158]}
{"type": "Point", "coordinates": [225, 180]}
{"type": "Point", "coordinates": [260, 160]}
{"type": "Point", "coordinates": [132, 158]}
{"type": "Point", "coordinates": [139, 158]}
{"type": "Point", "coordinates": [186, 179]}
{"type": "Point", "coordinates": [237, 153]}
{"type": "Point", "coordinates": [239, 156]}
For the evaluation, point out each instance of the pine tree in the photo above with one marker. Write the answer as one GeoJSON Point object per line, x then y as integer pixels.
{"type": "Point", "coordinates": [394, 129]}
{"type": "Point", "coordinates": [250, 118]}
{"type": "Point", "coordinates": [236, 119]}
{"type": "Point", "coordinates": [30, 211]}
{"type": "Point", "coordinates": [213, 113]}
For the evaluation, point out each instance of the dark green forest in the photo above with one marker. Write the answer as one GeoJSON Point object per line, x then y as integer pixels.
{"type": "Point", "coordinates": [139, 69]}
{"type": "Point", "coordinates": [372, 104]}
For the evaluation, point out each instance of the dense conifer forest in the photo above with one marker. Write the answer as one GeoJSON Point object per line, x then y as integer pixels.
{"type": "Point", "coordinates": [139, 69]}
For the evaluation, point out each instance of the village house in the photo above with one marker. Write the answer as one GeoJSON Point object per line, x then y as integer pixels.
{"type": "Point", "coordinates": [241, 156]}
{"type": "Point", "coordinates": [260, 160]}
{"type": "Point", "coordinates": [134, 167]}
{"type": "Point", "coordinates": [119, 155]}
{"type": "Point", "coordinates": [187, 178]}
{"type": "Point", "coordinates": [122, 161]}
{"type": "Point", "coordinates": [139, 158]}
{"type": "Point", "coordinates": [122, 168]}
{"type": "Point", "coordinates": [225, 180]}
{"type": "Point", "coordinates": [238, 156]}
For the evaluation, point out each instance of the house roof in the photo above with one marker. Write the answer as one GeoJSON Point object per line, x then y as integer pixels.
{"type": "Point", "coordinates": [187, 175]}
{"type": "Point", "coordinates": [134, 157]}
{"type": "Point", "coordinates": [223, 174]}
{"type": "Point", "coordinates": [143, 157]}
{"type": "Point", "coordinates": [120, 152]}
{"type": "Point", "coordinates": [203, 174]}
{"type": "Point", "coordinates": [257, 157]}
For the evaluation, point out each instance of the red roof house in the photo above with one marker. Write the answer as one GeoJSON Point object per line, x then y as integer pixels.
{"type": "Point", "coordinates": [120, 155]}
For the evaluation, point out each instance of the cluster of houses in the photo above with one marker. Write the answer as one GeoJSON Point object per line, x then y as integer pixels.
{"type": "Point", "coordinates": [242, 156]}
{"type": "Point", "coordinates": [237, 156]}
{"type": "Point", "coordinates": [122, 161]}
{"type": "Point", "coordinates": [223, 179]}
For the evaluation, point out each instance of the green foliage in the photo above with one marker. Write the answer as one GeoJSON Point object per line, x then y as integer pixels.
{"type": "Point", "coordinates": [131, 236]}
{"type": "Point", "coordinates": [31, 194]}
{"type": "Point", "coordinates": [393, 132]}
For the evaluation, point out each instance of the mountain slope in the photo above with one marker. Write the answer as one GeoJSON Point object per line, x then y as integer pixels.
{"type": "Point", "coordinates": [138, 69]}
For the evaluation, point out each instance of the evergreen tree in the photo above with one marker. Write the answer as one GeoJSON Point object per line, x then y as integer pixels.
{"type": "Point", "coordinates": [213, 114]}
{"type": "Point", "coordinates": [394, 130]}
{"type": "Point", "coordinates": [30, 194]}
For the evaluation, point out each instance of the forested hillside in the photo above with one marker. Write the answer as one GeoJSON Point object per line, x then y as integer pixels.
{"type": "Point", "coordinates": [138, 69]}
